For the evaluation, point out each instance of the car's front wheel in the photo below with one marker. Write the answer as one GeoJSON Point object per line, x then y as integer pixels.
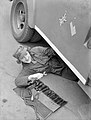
{"type": "Point", "coordinates": [19, 23]}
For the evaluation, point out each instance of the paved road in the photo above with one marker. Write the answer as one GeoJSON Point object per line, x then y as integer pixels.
{"type": "Point", "coordinates": [12, 107]}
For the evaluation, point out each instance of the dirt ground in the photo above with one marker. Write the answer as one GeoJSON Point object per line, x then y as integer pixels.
{"type": "Point", "coordinates": [12, 107]}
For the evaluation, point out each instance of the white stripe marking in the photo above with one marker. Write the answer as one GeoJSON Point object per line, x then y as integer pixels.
{"type": "Point", "coordinates": [73, 29]}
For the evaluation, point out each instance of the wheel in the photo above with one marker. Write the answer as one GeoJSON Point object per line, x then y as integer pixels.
{"type": "Point", "coordinates": [19, 21]}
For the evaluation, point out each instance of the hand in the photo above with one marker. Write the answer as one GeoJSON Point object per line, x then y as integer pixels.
{"type": "Point", "coordinates": [32, 79]}
{"type": "Point", "coordinates": [36, 76]}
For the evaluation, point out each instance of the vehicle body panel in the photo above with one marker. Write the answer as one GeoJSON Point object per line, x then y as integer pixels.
{"type": "Point", "coordinates": [31, 12]}
{"type": "Point", "coordinates": [77, 14]}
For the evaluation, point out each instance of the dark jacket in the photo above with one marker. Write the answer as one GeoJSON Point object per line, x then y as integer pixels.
{"type": "Point", "coordinates": [44, 59]}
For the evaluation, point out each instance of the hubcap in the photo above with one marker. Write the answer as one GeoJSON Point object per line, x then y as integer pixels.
{"type": "Point", "coordinates": [19, 18]}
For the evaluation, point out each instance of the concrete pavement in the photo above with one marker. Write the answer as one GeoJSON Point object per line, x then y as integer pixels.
{"type": "Point", "coordinates": [11, 106]}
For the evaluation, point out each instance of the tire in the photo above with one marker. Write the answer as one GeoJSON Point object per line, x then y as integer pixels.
{"type": "Point", "coordinates": [36, 37]}
{"type": "Point", "coordinates": [19, 21]}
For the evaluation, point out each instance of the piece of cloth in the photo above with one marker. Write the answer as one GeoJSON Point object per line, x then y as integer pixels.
{"type": "Point", "coordinates": [29, 99]}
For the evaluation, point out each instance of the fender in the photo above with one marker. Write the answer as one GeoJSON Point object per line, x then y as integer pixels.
{"type": "Point", "coordinates": [31, 13]}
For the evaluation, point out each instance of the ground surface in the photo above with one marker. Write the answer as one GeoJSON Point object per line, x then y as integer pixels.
{"type": "Point", "coordinates": [12, 107]}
